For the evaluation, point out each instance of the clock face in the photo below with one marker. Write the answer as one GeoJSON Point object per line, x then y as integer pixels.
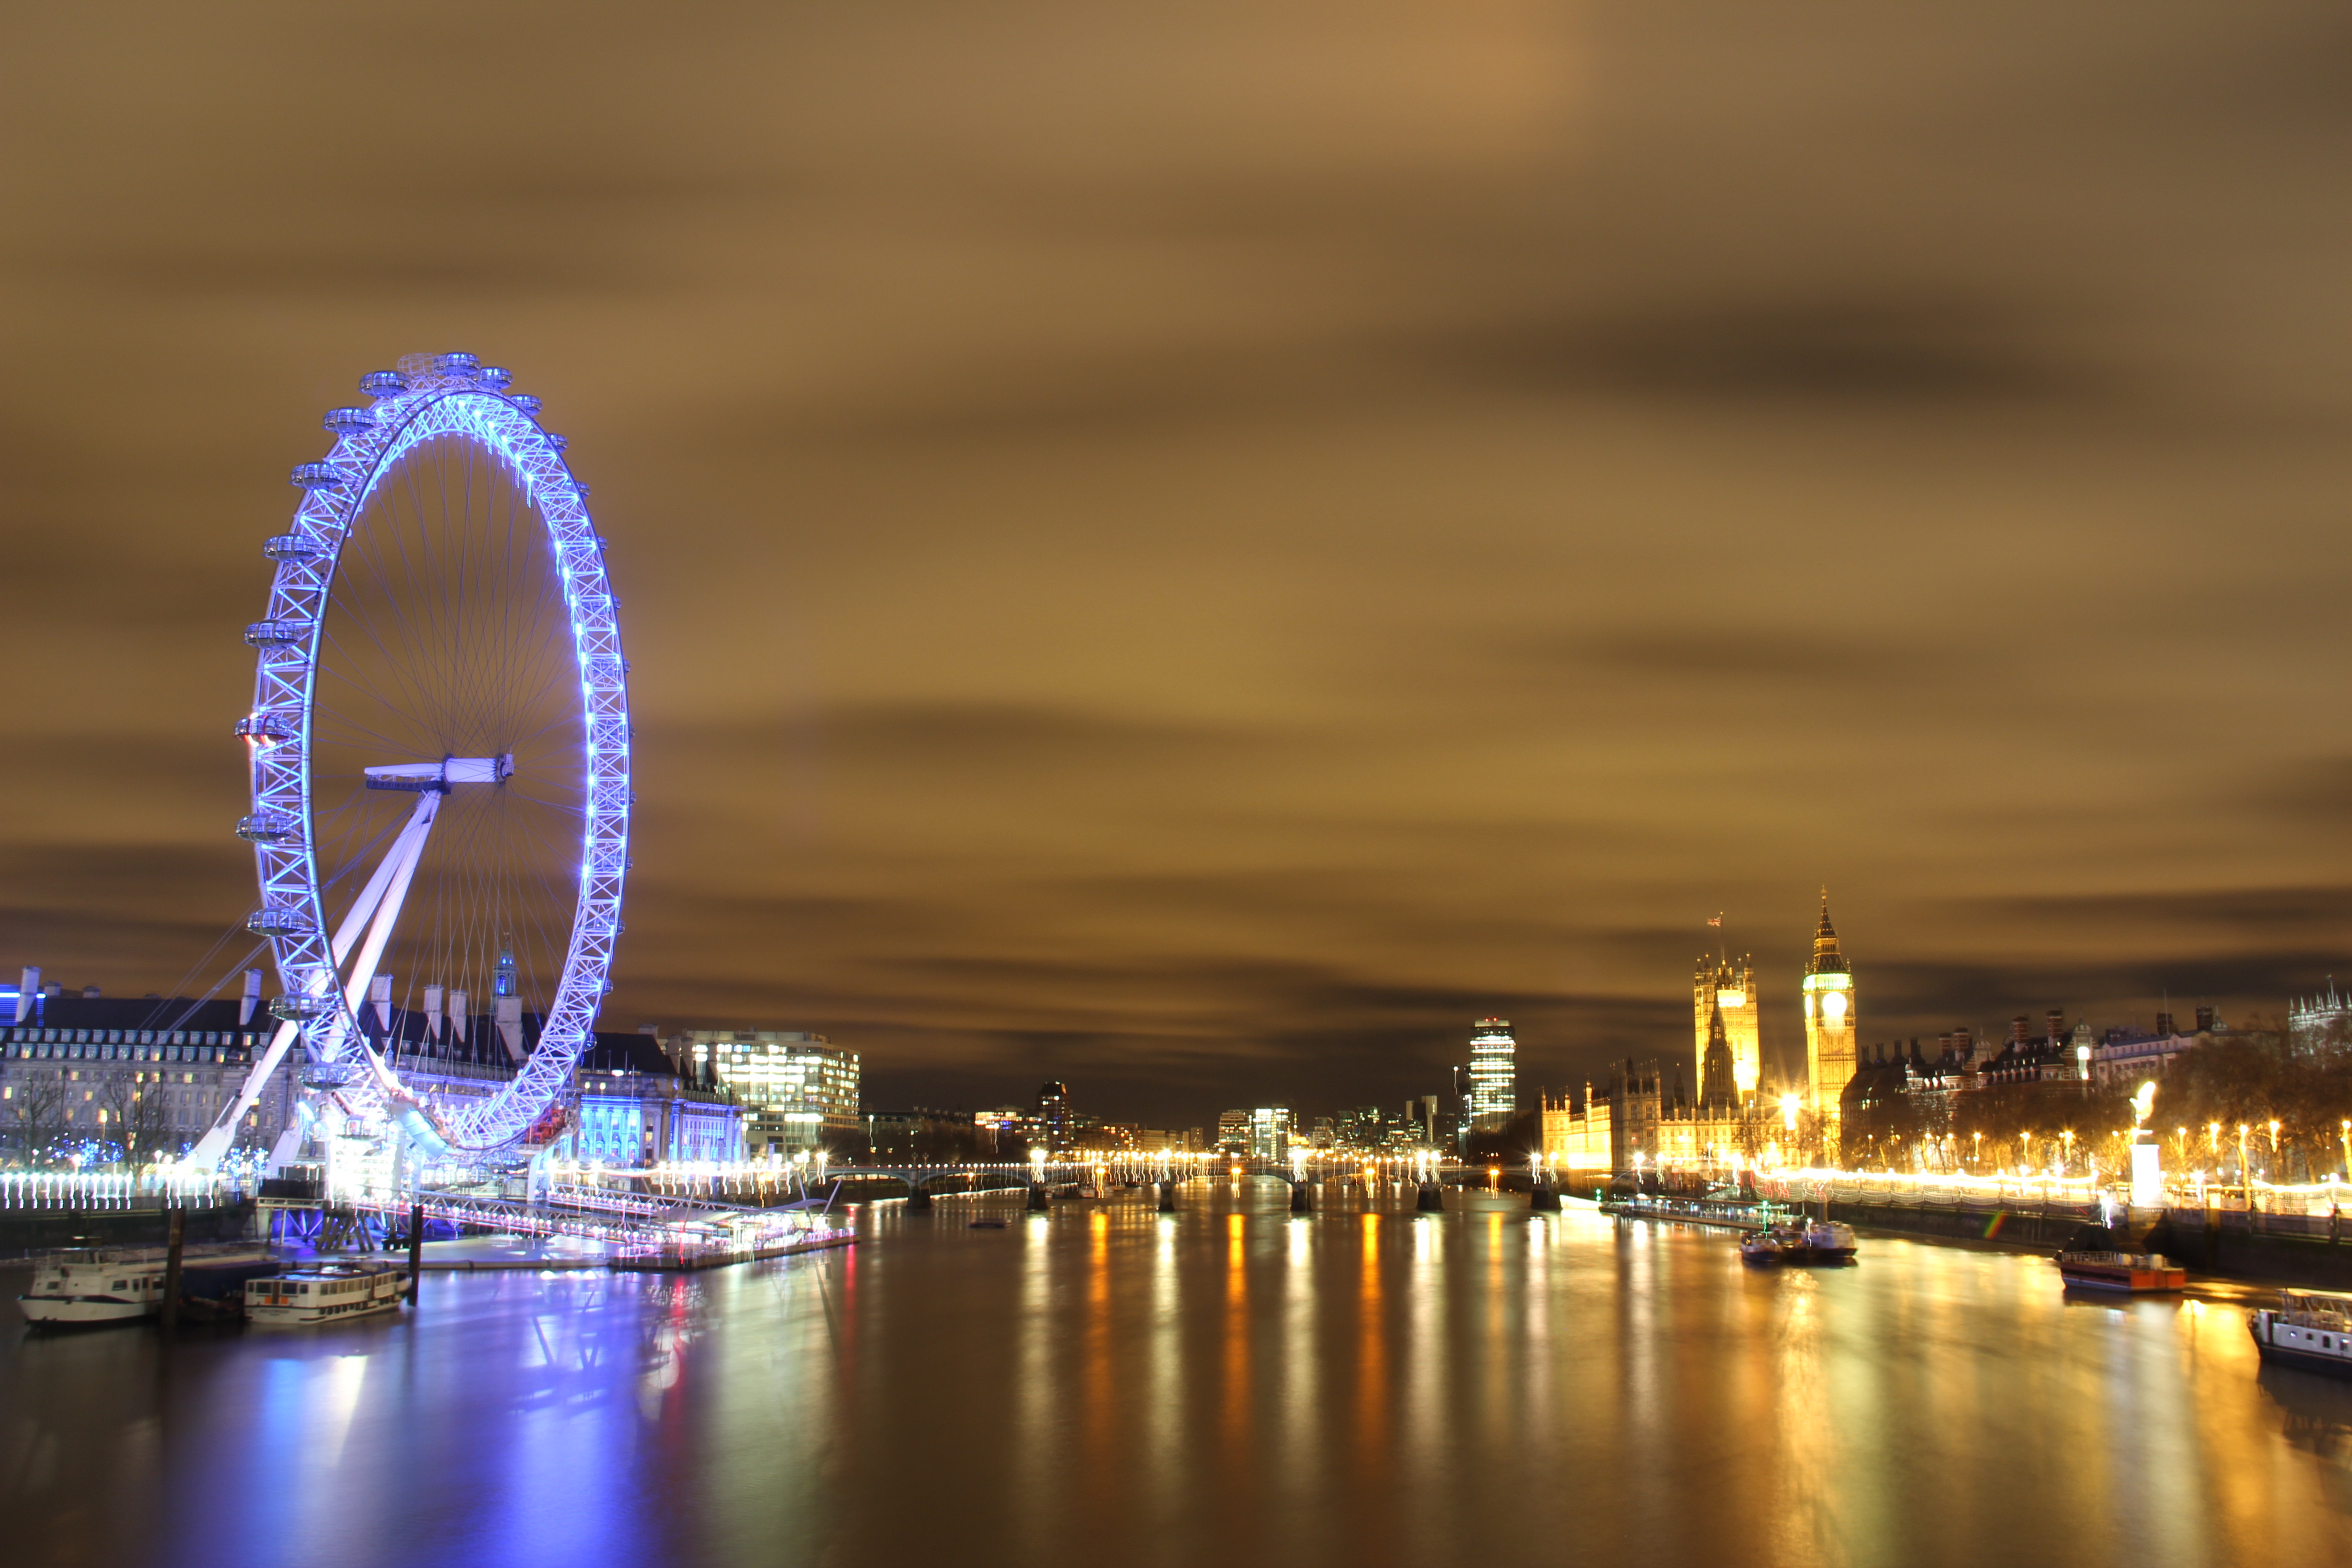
{"type": "Point", "coordinates": [1834, 1006]}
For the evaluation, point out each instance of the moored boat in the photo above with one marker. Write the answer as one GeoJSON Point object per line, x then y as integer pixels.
{"type": "Point", "coordinates": [1773, 1244]}
{"type": "Point", "coordinates": [90, 1285]}
{"type": "Point", "coordinates": [2308, 1330]}
{"type": "Point", "coordinates": [324, 1292]}
{"type": "Point", "coordinates": [1817, 1241]}
{"type": "Point", "coordinates": [2134, 1273]}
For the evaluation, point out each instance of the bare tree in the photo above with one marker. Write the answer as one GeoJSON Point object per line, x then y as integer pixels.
{"type": "Point", "coordinates": [137, 1115]}
{"type": "Point", "coordinates": [36, 1110]}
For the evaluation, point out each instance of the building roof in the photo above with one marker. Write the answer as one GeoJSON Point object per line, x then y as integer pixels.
{"type": "Point", "coordinates": [140, 1013]}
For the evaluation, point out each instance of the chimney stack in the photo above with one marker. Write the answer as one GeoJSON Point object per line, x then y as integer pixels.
{"type": "Point", "coordinates": [2204, 1020]}
{"type": "Point", "coordinates": [2056, 1019]}
{"type": "Point", "coordinates": [28, 988]}
{"type": "Point", "coordinates": [2163, 1023]}
{"type": "Point", "coordinates": [1964, 1043]}
{"type": "Point", "coordinates": [2017, 1034]}
{"type": "Point", "coordinates": [509, 1016]}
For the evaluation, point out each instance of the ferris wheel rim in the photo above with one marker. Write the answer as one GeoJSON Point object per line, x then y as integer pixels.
{"type": "Point", "coordinates": [431, 397]}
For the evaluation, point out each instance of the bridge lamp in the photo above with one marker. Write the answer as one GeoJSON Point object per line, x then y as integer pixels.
{"type": "Point", "coordinates": [1036, 1165]}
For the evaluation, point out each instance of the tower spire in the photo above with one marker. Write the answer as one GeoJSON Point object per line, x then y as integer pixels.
{"type": "Point", "coordinates": [1826, 957]}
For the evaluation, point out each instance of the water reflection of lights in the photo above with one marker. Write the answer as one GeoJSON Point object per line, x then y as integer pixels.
{"type": "Point", "coordinates": [1341, 1388]}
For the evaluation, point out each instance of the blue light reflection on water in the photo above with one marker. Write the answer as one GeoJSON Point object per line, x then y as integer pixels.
{"type": "Point", "coordinates": [1230, 1384]}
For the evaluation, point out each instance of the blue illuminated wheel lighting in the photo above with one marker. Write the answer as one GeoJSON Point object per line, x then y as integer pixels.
{"type": "Point", "coordinates": [440, 666]}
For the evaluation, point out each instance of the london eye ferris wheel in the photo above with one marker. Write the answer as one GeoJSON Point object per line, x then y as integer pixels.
{"type": "Point", "coordinates": [439, 747]}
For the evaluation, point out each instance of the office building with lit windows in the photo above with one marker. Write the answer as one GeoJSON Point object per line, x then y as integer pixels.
{"type": "Point", "coordinates": [1493, 1096]}
{"type": "Point", "coordinates": [798, 1091]}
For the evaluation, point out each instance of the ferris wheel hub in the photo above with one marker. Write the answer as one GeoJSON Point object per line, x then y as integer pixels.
{"type": "Point", "coordinates": [438, 777]}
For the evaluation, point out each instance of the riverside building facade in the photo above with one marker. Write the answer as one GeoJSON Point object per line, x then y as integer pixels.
{"type": "Point", "coordinates": [1728, 987]}
{"type": "Point", "coordinates": [798, 1091]}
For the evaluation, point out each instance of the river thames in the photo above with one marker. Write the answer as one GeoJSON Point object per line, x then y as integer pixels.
{"type": "Point", "coordinates": [1107, 1385]}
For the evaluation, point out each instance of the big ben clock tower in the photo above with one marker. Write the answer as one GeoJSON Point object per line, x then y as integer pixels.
{"type": "Point", "coordinates": [1829, 1029]}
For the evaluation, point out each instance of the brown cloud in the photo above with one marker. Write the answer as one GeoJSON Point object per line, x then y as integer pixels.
{"type": "Point", "coordinates": [1200, 548]}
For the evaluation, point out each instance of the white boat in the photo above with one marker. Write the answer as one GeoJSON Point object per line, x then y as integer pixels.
{"type": "Point", "coordinates": [113, 1284]}
{"type": "Point", "coordinates": [324, 1293]}
{"type": "Point", "coordinates": [2308, 1329]}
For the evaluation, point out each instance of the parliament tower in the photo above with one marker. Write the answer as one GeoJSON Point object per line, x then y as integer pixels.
{"type": "Point", "coordinates": [1728, 988]}
{"type": "Point", "coordinates": [1828, 1027]}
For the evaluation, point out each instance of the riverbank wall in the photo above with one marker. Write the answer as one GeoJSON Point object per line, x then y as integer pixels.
{"type": "Point", "coordinates": [24, 1231]}
{"type": "Point", "coordinates": [2048, 1229]}
{"type": "Point", "coordinates": [2204, 1241]}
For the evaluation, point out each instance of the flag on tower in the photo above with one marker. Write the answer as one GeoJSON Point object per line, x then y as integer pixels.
{"type": "Point", "coordinates": [1715, 919]}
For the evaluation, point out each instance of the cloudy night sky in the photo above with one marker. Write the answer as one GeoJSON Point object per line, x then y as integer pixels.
{"type": "Point", "coordinates": [1198, 548]}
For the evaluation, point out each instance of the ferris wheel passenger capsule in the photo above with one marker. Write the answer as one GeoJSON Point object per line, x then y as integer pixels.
{"type": "Point", "coordinates": [556, 441]}
{"type": "Point", "coordinates": [277, 634]}
{"type": "Point", "coordinates": [292, 547]}
{"type": "Point", "coordinates": [495, 376]}
{"type": "Point", "coordinates": [343, 422]}
{"type": "Point", "coordinates": [278, 920]}
{"type": "Point", "coordinates": [455, 363]}
{"type": "Point", "coordinates": [315, 475]}
{"type": "Point", "coordinates": [264, 726]}
{"type": "Point", "coordinates": [524, 401]}
{"type": "Point", "coordinates": [383, 384]}
{"type": "Point", "coordinates": [267, 827]}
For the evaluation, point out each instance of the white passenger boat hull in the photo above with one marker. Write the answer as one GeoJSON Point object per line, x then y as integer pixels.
{"type": "Point", "coordinates": [91, 1284]}
{"type": "Point", "coordinates": [66, 1311]}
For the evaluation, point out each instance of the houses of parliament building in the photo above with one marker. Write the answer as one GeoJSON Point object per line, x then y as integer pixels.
{"type": "Point", "coordinates": [1725, 1109]}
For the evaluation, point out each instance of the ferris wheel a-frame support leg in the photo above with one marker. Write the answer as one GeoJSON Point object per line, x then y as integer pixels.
{"type": "Point", "coordinates": [380, 900]}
